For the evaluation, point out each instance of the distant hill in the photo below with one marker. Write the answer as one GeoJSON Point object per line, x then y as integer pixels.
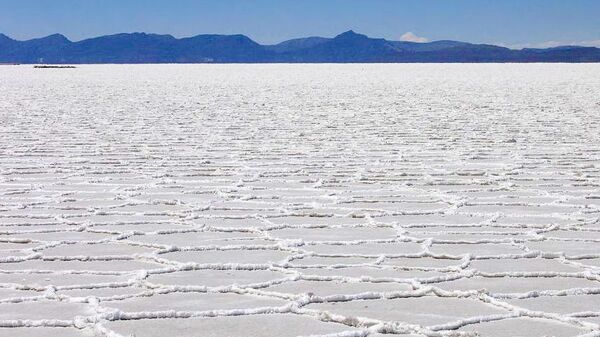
{"type": "Point", "coordinates": [297, 44]}
{"type": "Point", "coordinates": [348, 47]}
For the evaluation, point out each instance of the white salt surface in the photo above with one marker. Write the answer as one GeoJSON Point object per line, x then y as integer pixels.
{"type": "Point", "coordinates": [297, 200]}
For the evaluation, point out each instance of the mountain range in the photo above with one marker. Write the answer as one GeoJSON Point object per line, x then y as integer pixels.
{"type": "Point", "coordinates": [348, 47]}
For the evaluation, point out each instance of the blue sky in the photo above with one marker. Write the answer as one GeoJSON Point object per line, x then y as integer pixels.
{"type": "Point", "coordinates": [507, 22]}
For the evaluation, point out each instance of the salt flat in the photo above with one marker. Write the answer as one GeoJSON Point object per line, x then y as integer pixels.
{"type": "Point", "coordinates": [297, 200]}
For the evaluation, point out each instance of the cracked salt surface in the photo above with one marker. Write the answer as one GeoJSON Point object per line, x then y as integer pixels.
{"type": "Point", "coordinates": [300, 200]}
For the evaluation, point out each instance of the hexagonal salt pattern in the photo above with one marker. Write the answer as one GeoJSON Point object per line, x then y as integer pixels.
{"type": "Point", "coordinates": [300, 200]}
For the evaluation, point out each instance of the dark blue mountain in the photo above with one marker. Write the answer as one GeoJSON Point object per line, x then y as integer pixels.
{"type": "Point", "coordinates": [32, 51]}
{"type": "Point", "coordinates": [221, 48]}
{"type": "Point", "coordinates": [297, 44]}
{"type": "Point", "coordinates": [121, 48]}
{"type": "Point", "coordinates": [6, 43]}
{"type": "Point", "coordinates": [348, 47]}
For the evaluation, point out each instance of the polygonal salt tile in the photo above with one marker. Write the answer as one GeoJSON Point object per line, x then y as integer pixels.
{"type": "Point", "coordinates": [153, 209]}
{"type": "Point", "coordinates": [175, 197]}
{"type": "Point", "coordinates": [479, 249]}
{"type": "Point", "coordinates": [396, 248]}
{"type": "Point", "coordinates": [84, 249]}
{"type": "Point", "coordinates": [468, 233]}
{"type": "Point", "coordinates": [101, 292]}
{"type": "Point", "coordinates": [484, 194]}
{"type": "Point", "coordinates": [523, 327]}
{"type": "Point", "coordinates": [191, 239]}
{"type": "Point", "coordinates": [31, 223]}
{"type": "Point", "coordinates": [84, 205]}
{"type": "Point", "coordinates": [370, 272]}
{"type": "Point", "coordinates": [215, 278]}
{"type": "Point", "coordinates": [244, 242]}
{"type": "Point", "coordinates": [237, 213]}
{"type": "Point", "coordinates": [266, 325]}
{"type": "Point", "coordinates": [242, 256]}
{"type": "Point", "coordinates": [465, 237]}
{"type": "Point", "coordinates": [422, 262]}
{"type": "Point", "coordinates": [509, 285]}
{"type": "Point", "coordinates": [9, 248]}
{"type": "Point", "coordinates": [95, 265]}
{"type": "Point", "coordinates": [308, 220]}
{"type": "Point", "coordinates": [335, 234]}
{"type": "Point", "coordinates": [525, 210]}
{"type": "Point", "coordinates": [329, 288]}
{"type": "Point", "coordinates": [192, 301]}
{"type": "Point", "coordinates": [230, 222]}
{"type": "Point", "coordinates": [44, 332]}
{"type": "Point", "coordinates": [332, 261]}
{"type": "Point", "coordinates": [398, 207]}
{"type": "Point", "coordinates": [123, 219]}
{"type": "Point", "coordinates": [569, 248]}
{"type": "Point", "coordinates": [148, 227]}
{"type": "Point", "coordinates": [43, 212]}
{"type": "Point", "coordinates": [522, 265]}
{"type": "Point", "coordinates": [38, 310]}
{"type": "Point", "coordinates": [573, 234]}
{"type": "Point", "coordinates": [62, 236]}
{"type": "Point", "coordinates": [532, 221]}
{"type": "Point", "coordinates": [249, 205]}
{"type": "Point", "coordinates": [15, 293]}
{"type": "Point", "coordinates": [431, 219]}
{"type": "Point", "coordinates": [426, 310]}
{"type": "Point", "coordinates": [40, 280]}
{"type": "Point", "coordinates": [23, 230]}
{"type": "Point", "coordinates": [532, 200]}
{"type": "Point", "coordinates": [558, 304]}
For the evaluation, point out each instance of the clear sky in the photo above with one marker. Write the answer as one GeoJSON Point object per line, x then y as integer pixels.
{"type": "Point", "coordinates": [507, 22]}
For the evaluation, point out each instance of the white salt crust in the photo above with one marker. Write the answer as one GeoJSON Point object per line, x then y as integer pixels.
{"type": "Point", "coordinates": [300, 200]}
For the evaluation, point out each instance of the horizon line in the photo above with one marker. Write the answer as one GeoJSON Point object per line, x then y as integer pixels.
{"type": "Point", "coordinates": [290, 39]}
